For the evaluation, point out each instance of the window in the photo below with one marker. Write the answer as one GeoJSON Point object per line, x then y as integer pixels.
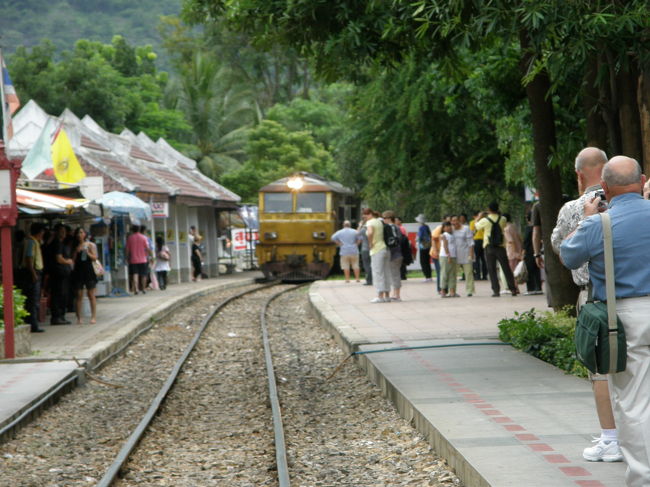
{"type": "Point", "coordinates": [278, 202]}
{"type": "Point", "coordinates": [311, 203]}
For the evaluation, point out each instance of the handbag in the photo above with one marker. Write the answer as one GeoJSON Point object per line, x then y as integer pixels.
{"type": "Point", "coordinates": [521, 272]}
{"type": "Point", "coordinates": [98, 268]}
{"type": "Point", "coordinates": [600, 336]}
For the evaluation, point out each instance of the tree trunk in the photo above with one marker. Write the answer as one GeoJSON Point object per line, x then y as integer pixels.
{"type": "Point", "coordinates": [609, 104]}
{"type": "Point", "coordinates": [628, 114]}
{"type": "Point", "coordinates": [596, 128]}
{"type": "Point", "coordinates": [562, 288]}
{"type": "Point", "coordinates": [644, 112]}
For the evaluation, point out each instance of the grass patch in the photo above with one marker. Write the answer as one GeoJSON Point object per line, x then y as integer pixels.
{"type": "Point", "coordinates": [548, 336]}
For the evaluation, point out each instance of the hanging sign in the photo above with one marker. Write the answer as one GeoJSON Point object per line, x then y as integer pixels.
{"type": "Point", "coordinates": [159, 210]}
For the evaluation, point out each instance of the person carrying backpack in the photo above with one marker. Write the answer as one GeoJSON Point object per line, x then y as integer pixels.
{"type": "Point", "coordinates": [392, 238]}
{"type": "Point", "coordinates": [495, 249]}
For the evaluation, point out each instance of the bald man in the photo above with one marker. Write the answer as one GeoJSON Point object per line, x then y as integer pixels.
{"type": "Point", "coordinates": [589, 165]}
{"type": "Point", "coordinates": [622, 183]}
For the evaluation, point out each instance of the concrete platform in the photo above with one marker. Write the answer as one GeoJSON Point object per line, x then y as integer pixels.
{"type": "Point", "coordinates": [26, 381]}
{"type": "Point", "coordinates": [500, 417]}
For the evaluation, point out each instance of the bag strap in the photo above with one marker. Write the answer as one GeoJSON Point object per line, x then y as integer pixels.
{"type": "Point", "coordinates": [610, 283]}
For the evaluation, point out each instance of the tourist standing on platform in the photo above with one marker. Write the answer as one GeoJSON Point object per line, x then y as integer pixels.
{"type": "Point", "coordinates": [534, 281]}
{"type": "Point", "coordinates": [622, 183]}
{"type": "Point", "coordinates": [162, 267]}
{"type": "Point", "coordinates": [348, 242]}
{"type": "Point", "coordinates": [197, 257]}
{"type": "Point", "coordinates": [60, 279]}
{"type": "Point", "coordinates": [379, 258]}
{"type": "Point", "coordinates": [464, 243]}
{"type": "Point", "coordinates": [589, 166]}
{"type": "Point", "coordinates": [366, 214]}
{"type": "Point", "coordinates": [495, 250]}
{"type": "Point", "coordinates": [407, 254]}
{"type": "Point", "coordinates": [137, 255]}
{"type": "Point", "coordinates": [448, 273]}
{"type": "Point", "coordinates": [396, 257]}
{"type": "Point", "coordinates": [30, 274]}
{"type": "Point", "coordinates": [480, 265]}
{"type": "Point", "coordinates": [83, 274]}
{"type": "Point", "coordinates": [514, 245]}
{"type": "Point", "coordinates": [435, 251]}
{"type": "Point", "coordinates": [424, 246]}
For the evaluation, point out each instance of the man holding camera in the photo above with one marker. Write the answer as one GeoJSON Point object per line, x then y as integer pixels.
{"type": "Point", "coordinates": [589, 166]}
{"type": "Point", "coordinates": [622, 183]}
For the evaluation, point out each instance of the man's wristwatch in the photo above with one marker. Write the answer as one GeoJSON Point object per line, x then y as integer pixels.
{"type": "Point", "coordinates": [537, 255]}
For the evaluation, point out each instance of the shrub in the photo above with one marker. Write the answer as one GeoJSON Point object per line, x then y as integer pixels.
{"type": "Point", "coordinates": [19, 308]}
{"type": "Point", "coordinates": [547, 336]}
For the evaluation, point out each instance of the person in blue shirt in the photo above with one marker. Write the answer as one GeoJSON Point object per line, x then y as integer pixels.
{"type": "Point", "coordinates": [424, 246]}
{"type": "Point", "coordinates": [622, 183]}
{"type": "Point", "coordinates": [348, 240]}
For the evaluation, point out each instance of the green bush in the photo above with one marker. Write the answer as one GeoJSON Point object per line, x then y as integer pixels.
{"type": "Point", "coordinates": [547, 336]}
{"type": "Point", "coordinates": [19, 308]}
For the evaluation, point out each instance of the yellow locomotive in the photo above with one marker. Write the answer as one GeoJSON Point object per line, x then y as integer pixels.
{"type": "Point", "coordinates": [297, 217]}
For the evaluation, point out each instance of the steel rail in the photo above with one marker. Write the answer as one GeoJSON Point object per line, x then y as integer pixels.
{"type": "Point", "coordinates": [276, 411]}
{"type": "Point", "coordinates": [130, 444]}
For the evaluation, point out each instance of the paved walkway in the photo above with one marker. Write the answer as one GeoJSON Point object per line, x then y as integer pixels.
{"type": "Point", "coordinates": [500, 417]}
{"type": "Point", "coordinates": [25, 381]}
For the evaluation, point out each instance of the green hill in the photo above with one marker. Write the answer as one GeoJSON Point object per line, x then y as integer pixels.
{"type": "Point", "coordinates": [27, 22]}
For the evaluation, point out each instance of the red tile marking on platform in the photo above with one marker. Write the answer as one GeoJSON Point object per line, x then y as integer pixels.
{"type": "Point", "coordinates": [575, 471]}
{"type": "Point", "coordinates": [472, 396]}
{"type": "Point", "coordinates": [492, 412]}
{"type": "Point", "coordinates": [502, 419]}
{"type": "Point", "coordinates": [482, 405]}
{"type": "Point", "coordinates": [540, 447]}
{"type": "Point", "coordinates": [526, 437]}
{"type": "Point", "coordinates": [556, 459]}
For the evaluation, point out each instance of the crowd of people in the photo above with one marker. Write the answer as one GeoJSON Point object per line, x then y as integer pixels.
{"type": "Point", "coordinates": [58, 264]}
{"type": "Point", "coordinates": [458, 249]}
{"type": "Point", "coordinates": [54, 266]}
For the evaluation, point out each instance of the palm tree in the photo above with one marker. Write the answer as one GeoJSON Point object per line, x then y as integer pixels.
{"type": "Point", "coordinates": [220, 110]}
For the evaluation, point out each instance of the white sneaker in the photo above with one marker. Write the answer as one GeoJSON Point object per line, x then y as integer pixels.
{"type": "Point", "coordinates": [377, 300]}
{"type": "Point", "coordinates": [603, 451]}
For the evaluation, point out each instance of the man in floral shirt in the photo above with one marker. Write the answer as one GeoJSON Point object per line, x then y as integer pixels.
{"type": "Point", "coordinates": [589, 166]}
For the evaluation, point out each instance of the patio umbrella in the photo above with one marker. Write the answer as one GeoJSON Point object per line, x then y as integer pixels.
{"type": "Point", "coordinates": [126, 203]}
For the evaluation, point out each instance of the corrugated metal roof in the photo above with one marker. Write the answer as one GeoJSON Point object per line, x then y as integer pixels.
{"type": "Point", "coordinates": [140, 181]}
{"type": "Point", "coordinates": [184, 186]}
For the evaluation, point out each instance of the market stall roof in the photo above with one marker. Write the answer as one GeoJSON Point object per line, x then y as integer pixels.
{"type": "Point", "coordinates": [31, 201]}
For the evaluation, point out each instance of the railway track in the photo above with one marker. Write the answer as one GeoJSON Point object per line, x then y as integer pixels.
{"type": "Point", "coordinates": [215, 426]}
{"type": "Point", "coordinates": [136, 437]}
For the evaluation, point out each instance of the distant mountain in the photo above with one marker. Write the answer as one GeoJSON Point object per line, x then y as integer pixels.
{"type": "Point", "coordinates": [27, 22]}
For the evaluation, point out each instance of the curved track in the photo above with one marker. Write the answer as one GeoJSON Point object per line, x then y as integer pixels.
{"type": "Point", "coordinates": [140, 431]}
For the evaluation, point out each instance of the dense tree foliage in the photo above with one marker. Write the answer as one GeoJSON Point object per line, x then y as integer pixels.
{"type": "Point", "coordinates": [570, 57]}
{"type": "Point", "coordinates": [274, 152]}
{"type": "Point", "coordinates": [116, 84]}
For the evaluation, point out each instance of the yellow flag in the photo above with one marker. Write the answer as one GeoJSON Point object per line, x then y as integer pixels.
{"type": "Point", "coordinates": [66, 166]}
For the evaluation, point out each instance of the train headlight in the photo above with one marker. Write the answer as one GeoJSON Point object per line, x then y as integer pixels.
{"type": "Point", "coordinates": [270, 235]}
{"type": "Point", "coordinates": [319, 235]}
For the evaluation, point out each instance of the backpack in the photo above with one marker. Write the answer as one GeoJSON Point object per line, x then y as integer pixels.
{"type": "Point", "coordinates": [425, 241]}
{"type": "Point", "coordinates": [405, 247]}
{"type": "Point", "coordinates": [391, 235]}
{"type": "Point", "coordinates": [496, 233]}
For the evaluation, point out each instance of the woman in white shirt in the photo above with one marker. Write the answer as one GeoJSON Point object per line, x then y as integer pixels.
{"type": "Point", "coordinates": [448, 262]}
{"type": "Point", "coordinates": [464, 240]}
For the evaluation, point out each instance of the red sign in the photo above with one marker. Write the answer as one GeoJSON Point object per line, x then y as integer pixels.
{"type": "Point", "coordinates": [243, 239]}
